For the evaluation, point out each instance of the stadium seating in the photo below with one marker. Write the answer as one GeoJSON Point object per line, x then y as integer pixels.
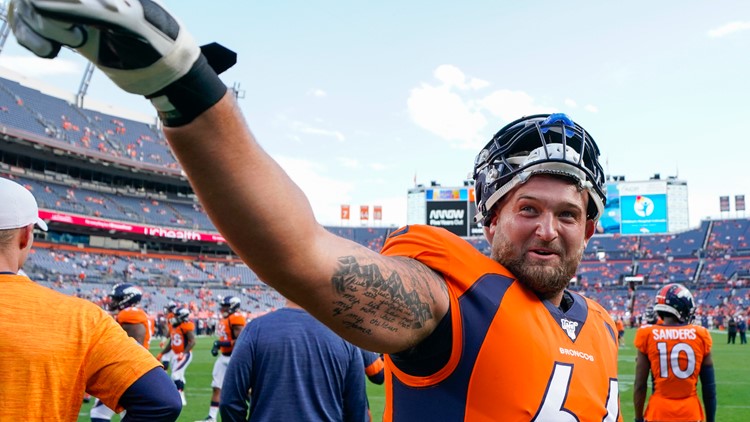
{"type": "Point", "coordinates": [712, 259]}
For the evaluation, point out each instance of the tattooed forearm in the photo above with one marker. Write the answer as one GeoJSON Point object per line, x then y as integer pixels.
{"type": "Point", "coordinates": [368, 299]}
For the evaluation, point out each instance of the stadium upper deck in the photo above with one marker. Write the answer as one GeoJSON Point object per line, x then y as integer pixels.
{"type": "Point", "coordinates": [119, 171]}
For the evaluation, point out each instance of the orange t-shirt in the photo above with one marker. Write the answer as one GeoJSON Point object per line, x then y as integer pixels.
{"type": "Point", "coordinates": [177, 334]}
{"type": "Point", "coordinates": [133, 315]}
{"type": "Point", "coordinates": [513, 356]}
{"type": "Point", "coordinates": [225, 330]}
{"type": "Point", "coordinates": [676, 353]}
{"type": "Point", "coordinates": [76, 347]}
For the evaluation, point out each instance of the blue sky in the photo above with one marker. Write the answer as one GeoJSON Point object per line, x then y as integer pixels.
{"type": "Point", "coordinates": [356, 98]}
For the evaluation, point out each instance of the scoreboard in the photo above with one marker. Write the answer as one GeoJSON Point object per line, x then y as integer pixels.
{"type": "Point", "coordinates": [451, 208]}
{"type": "Point", "coordinates": [645, 207]}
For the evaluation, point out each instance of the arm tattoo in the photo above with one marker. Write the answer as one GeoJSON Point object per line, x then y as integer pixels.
{"type": "Point", "coordinates": [369, 298]}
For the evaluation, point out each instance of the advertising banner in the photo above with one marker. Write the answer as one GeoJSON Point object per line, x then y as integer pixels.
{"type": "Point", "coordinates": [450, 215]}
{"type": "Point", "coordinates": [153, 231]}
{"type": "Point", "coordinates": [643, 207]}
{"type": "Point", "coordinates": [643, 214]}
{"type": "Point", "coordinates": [345, 212]}
{"type": "Point", "coordinates": [724, 203]}
{"type": "Point", "coordinates": [739, 202]}
{"type": "Point", "coordinates": [377, 213]}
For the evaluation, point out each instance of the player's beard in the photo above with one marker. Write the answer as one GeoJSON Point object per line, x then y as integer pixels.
{"type": "Point", "coordinates": [541, 277]}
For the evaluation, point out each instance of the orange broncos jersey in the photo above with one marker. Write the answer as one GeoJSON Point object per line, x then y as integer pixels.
{"type": "Point", "coordinates": [133, 315]}
{"type": "Point", "coordinates": [676, 354]}
{"type": "Point", "coordinates": [177, 335]}
{"type": "Point", "coordinates": [225, 330]}
{"type": "Point", "coordinates": [514, 357]}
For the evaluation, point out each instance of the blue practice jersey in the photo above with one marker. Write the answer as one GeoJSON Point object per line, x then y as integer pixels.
{"type": "Point", "coordinates": [296, 369]}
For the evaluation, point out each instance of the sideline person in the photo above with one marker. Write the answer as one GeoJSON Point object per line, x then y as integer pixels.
{"type": "Point", "coordinates": [87, 351]}
{"type": "Point", "coordinates": [289, 366]}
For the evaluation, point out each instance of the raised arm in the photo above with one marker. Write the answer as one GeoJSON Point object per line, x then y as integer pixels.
{"type": "Point", "coordinates": [263, 215]}
{"type": "Point", "coordinates": [268, 221]}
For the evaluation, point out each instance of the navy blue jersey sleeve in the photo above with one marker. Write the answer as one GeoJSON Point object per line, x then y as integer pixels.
{"type": "Point", "coordinates": [153, 397]}
{"type": "Point", "coordinates": [233, 404]}
{"type": "Point", "coordinates": [368, 358]}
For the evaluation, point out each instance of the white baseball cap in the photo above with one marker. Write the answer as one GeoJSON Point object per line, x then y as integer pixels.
{"type": "Point", "coordinates": [18, 207]}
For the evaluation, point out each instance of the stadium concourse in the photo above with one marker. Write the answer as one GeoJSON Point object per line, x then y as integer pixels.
{"type": "Point", "coordinates": [119, 209]}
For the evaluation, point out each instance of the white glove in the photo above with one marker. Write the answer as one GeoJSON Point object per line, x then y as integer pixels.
{"type": "Point", "coordinates": [136, 43]}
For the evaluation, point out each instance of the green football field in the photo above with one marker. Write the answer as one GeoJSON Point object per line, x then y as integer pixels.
{"type": "Point", "coordinates": [731, 363]}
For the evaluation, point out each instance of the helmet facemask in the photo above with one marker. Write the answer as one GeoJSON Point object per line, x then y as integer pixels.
{"type": "Point", "coordinates": [541, 144]}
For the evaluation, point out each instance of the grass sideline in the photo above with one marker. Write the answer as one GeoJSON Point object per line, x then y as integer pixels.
{"type": "Point", "coordinates": [732, 378]}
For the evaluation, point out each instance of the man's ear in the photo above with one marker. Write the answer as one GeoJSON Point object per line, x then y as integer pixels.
{"type": "Point", "coordinates": [489, 231]}
{"type": "Point", "coordinates": [26, 235]}
{"type": "Point", "coordinates": [590, 229]}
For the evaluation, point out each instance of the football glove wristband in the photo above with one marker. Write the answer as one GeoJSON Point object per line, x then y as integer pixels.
{"type": "Point", "coordinates": [180, 102]}
{"type": "Point", "coordinates": [140, 46]}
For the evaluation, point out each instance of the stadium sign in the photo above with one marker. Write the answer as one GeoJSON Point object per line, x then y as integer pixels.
{"type": "Point", "coordinates": [150, 231]}
{"type": "Point", "coordinates": [450, 208]}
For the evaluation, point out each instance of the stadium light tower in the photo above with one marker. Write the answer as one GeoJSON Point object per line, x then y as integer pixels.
{"type": "Point", "coordinates": [5, 28]}
{"type": "Point", "coordinates": [238, 93]}
{"type": "Point", "coordinates": [85, 82]}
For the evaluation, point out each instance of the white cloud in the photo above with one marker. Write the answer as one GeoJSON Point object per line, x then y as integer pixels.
{"type": "Point", "coordinates": [451, 76]}
{"type": "Point", "coordinates": [454, 111]}
{"type": "Point", "coordinates": [571, 103]}
{"type": "Point", "coordinates": [510, 105]}
{"type": "Point", "coordinates": [377, 166]}
{"type": "Point", "coordinates": [311, 130]}
{"type": "Point", "coordinates": [35, 67]}
{"type": "Point", "coordinates": [326, 194]}
{"type": "Point", "coordinates": [728, 28]}
{"type": "Point", "coordinates": [317, 92]}
{"type": "Point", "coordinates": [347, 162]}
{"type": "Point", "coordinates": [440, 111]}
{"type": "Point", "coordinates": [591, 108]}
{"type": "Point", "coordinates": [394, 210]}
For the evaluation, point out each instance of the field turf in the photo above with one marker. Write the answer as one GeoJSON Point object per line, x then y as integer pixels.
{"type": "Point", "coordinates": [732, 364]}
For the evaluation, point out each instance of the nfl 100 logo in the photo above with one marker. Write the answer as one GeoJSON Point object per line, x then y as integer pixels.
{"type": "Point", "coordinates": [569, 327]}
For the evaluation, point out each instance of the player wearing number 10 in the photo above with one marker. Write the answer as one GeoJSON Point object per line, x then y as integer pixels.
{"type": "Point", "coordinates": [468, 337]}
{"type": "Point", "coordinates": [677, 353]}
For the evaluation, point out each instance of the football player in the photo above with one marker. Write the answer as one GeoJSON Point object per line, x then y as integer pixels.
{"type": "Point", "coordinates": [649, 317]}
{"type": "Point", "coordinates": [677, 353]}
{"type": "Point", "coordinates": [181, 342]}
{"type": "Point", "coordinates": [230, 326]}
{"type": "Point", "coordinates": [165, 358]}
{"type": "Point", "coordinates": [460, 329]}
{"type": "Point", "coordinates": [123, 304]}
